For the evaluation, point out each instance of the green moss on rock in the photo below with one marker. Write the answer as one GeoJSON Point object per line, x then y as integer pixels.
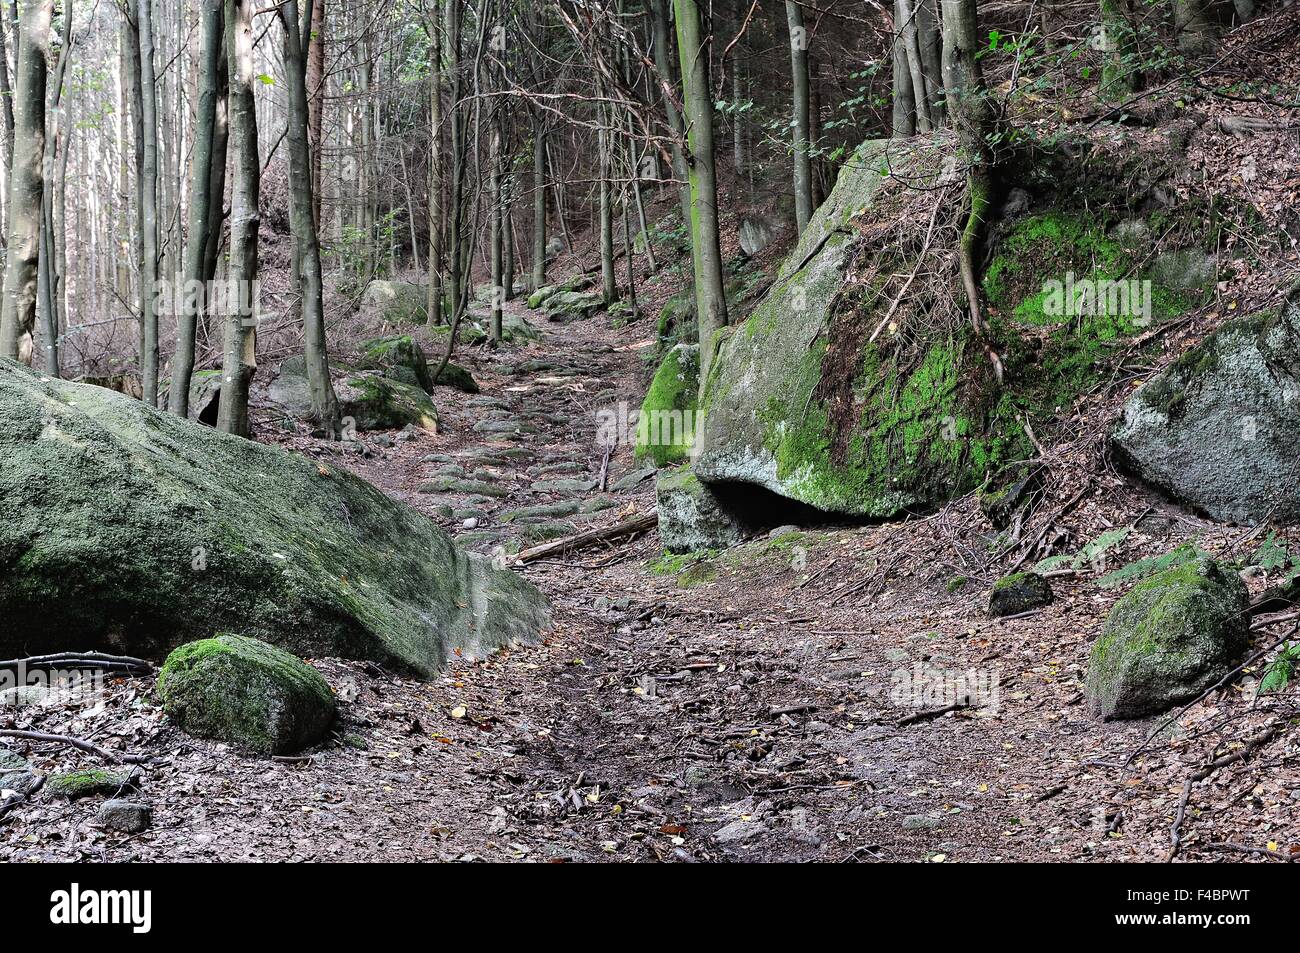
{"type": "Point", "coordinates": [1019, 592]}
{"type": "Point", "coordinates": [666, 424]}
{"type": "Point", "coordinates": [89, 782]}
{"type": "Point", "coordinates": [1174, 635]}
{"type": "Point", "coordinates": [246, 692]}
{"type": "Point", "coordinates": [130, 530]}
{"type": "Point", "coordinates": [400, 350]}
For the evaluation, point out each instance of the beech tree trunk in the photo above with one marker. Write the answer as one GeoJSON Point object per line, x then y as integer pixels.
{"type": "Point", "coordinates": [196, 238]}
{"type": "Point", "coordinates": [665, 67]}
{"type": "Point", "coordinates": [710, 297]}
{"type": "Point", "coordinates": [18, 309]}
{"type": "Point", "coordinates": [302, 215]}
{"type": "Point", "coordinates": [434, 305]}
{"type": "Point", "coordinates": [803, 205]}
{"type": "Point", "coordinates": [149, 202]}
{"type": "Point", "coordinates": [240, 339]}
{"type": "Point", "coordinates": [539, 202]}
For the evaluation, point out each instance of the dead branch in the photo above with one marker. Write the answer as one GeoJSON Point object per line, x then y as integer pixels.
{"type": "Point", "coordinates": [631, 527]}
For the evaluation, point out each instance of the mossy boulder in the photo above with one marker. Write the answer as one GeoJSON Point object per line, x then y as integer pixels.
{"type": "Point", "coordinates": [579, 282]}
{"type": "Point", "coordinates": [846, 388]}
{"type": "Point", "coordinates": [690, 516]}
{"type": "Point", "coordinates": [397, 351]}
{"type": "Point", "coordinates": [130, 530]}
{"type": "Point", "coordinates": [1019, 592]}
{"type": "Point", "coordinates": [90, 782]}
{"type": "Point", "coordinates": [1218, 428]}
{"type": "Point", "coordinates": [1170, 638]}
{"type": "Point", "coordinates": [566, 306]}
{"type": "Point", "coordinates": [246, 692]}
{"type": "Point", "coordinates": [455, 377]}
{"type": "Point", "coordinates": [666, 424]}
{"type": "Point", "coordinates": [370, 400]}
{"type": "Point", "coordinates": [397, 302]}
{"type": "Point", "coordinates": [205, 396]}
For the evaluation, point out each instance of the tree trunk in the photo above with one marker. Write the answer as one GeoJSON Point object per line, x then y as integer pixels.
{"type": "Point", "coordinates": [217, 169]}
{"type": "Point", "coordinates": [915, 65]}
{"type": "Point", "coordinates": [1193, 27]}
{"type": "Point", "coordinates": [149, 190]}
{"type": "Point", "coordinates": [539, 202]}
{"type": "Point", "coordinates": [240, 343]}
{"type": "Point", "coordinates": [434, 305]}
{"type": "Point", "coordinates": [710, 298]}
{"type": "Point", "coordinates": [196, 238]}
{"type": "Point", "coordinates": [315, 41]}
{"type": "Point", "coordinates": [324, 403]}
{"type": "Point", "coordinates": [803, 207]}
{"type": "Point", "coordinates": [18, 309]}
{"type": "Point", "coordinates": [494, 222]}
{"type": "Point", "coordinates": [903, 123]}
{"type": "Point", "coordinates": [609, 282]}
{"type": "Point", "coordinates": [665, 67]}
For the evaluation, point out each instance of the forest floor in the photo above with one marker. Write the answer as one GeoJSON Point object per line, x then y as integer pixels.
{"type": "Point", "coordinates": [744, 705]}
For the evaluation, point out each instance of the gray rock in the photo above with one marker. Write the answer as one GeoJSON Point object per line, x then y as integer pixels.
{"type": "Point", "coordinates": [631, 480]}
{"type": "Point", "coordinates": [756, 233]}
{"type": "Point", "coordinates": [690, 517]}
{"type": "Point", "coordinates": [246, 692]}
{"type": "Point", "coordinates": [1218, 428]}
{"type": "Point", "coordinates": [737, 832]}
{"type": "Point", "coordinates": [126, 817]}
{"type": "Point", "coordinates": [1019, 592]}
{"type": "Point", "coordinates": [1170, 638]}
{"type": "Point", "coordinates": [564, 486]}
{"type": "Point", "coordinates": [397, 302]}
{"type": "Point", "coordinates": [138, 531]}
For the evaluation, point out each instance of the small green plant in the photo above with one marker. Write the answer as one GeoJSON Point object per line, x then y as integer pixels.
{"type": "Point", "coordinates": [1281, 670]}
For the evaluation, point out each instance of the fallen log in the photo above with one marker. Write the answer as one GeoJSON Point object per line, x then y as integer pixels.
{"type": "Point", "coordinates": [566, 544]}
{"type": "Point", "coordinates": [98, 661]}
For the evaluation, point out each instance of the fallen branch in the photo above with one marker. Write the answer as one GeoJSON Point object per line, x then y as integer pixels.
{"type": "Point", "coordinates": [113, 664]}
{"type": "Point", "coordinates": [637, 524]}
{"type": "Point", "coordinates": [79, 743]}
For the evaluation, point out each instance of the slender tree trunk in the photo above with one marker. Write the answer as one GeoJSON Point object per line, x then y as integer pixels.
{"type": "Point", "coordinates": [495, 216]}
{"type": "Point", "coordinates": [149, 188]}
{"type": "Point", "coordinates": [316, 100]}
{"type": "Point", "coordinates": [609, 282]}
{"type": "Point", "coordinates": [904, 115]}
{"type": "Point", "coordinates": [539, 202]}
{"type": "Point", "coordinates": [240, 339]}
{"type": "Point", "coordinates": [324, 403]}
{"type": "Point", "coordinates": [18, 309]}
{"type": "Point", "coordinates": [456, 238]}
{"type": "Point", "coordinates": [666, 68]}
{"type": "Point", "coordinates": [436, 225]}
{"type": "Point", "coordinates": [1120, 75]}
{"type": "Point", "coordinates": [912, 47]}
{"type": "Point", "coordinates": [196, 239]}
{"type": "Point", "coordinates": [217, 168]}
{"type": "Point", "coordinates": [710, 296]}
{"type": "Point", "coordinates": [803, 207]}
{"type": "Point", "coordinates": [6, 100]}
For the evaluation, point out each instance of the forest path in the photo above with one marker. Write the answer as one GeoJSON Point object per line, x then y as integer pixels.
{"type": "Point", "coordinates": [772, 702]}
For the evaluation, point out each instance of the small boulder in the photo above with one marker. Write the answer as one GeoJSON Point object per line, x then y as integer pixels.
{"type": "Point", "coordinates": [455, 377]}
{"type": "Point", "coordinates": [246, 692]}
{"type": "Point", "coordinates": [566, 306]}
{"type": "Point", "coordinates": [1019, 592]}
{"type": "Point", "coordinates": [397, 302]}
{"type": "Point", "coordinates": [1168, 640]}
{"type": "Point", "coordinates": [397, 351]}
{"type": "Point", "coordinates": [16, 774]}
{"type": "Point", "coordinates": [690, 517]}
{"type": "Point", "coordinates": [126, 817]}
{"type": "Point", "coordinates": [376, 402]}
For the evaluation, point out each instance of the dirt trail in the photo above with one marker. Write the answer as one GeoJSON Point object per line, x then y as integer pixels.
{"type": "Point", "coordinates": [759, 704]}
